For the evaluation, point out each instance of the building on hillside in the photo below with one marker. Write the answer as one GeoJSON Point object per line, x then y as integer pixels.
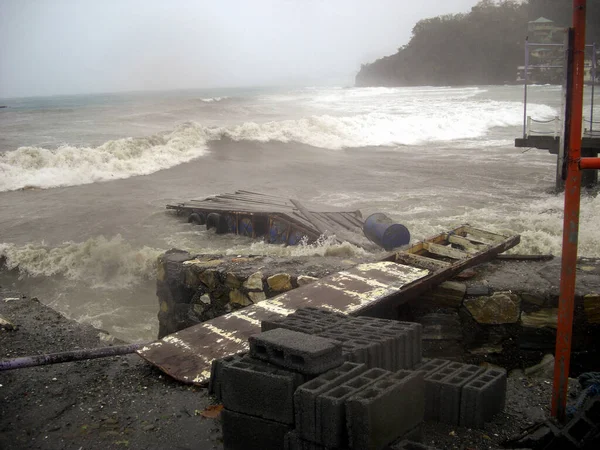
{"type": "Point", "coordinates": [542, 30]}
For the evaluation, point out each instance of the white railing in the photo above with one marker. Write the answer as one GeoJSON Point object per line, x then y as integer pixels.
{"type": "Point", "coordinates": [554, 132]}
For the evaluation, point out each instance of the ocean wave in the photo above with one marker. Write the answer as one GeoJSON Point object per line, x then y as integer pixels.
{"type": "Point", "coordinates": [212, 99]}
{"type": "Point", "coordinates": [66, 165]}
{"type": "Point", "coordinates": [412, 124]}
{"type": "Point", "coordinates": [98, 262]}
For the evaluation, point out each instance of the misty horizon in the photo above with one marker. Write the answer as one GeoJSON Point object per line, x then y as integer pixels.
{"type": "Point", "coordinates": [53, 48]}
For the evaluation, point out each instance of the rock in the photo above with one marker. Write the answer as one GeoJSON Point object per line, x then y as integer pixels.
{"type": "Point", "coordinates": [545, 369]}
{"type": "Point", "coordinates": [239, 298]}
{"type": "Point", "coordinates": [305, 279]}
{"type": "Point", "coordinates": [210, 278]}
{"type": "Point", "coordinates": [257, 296]}
{"type": "Point", "coordinates": [448, 294]}
{"type": "Point", "coordinates": [478, 290]}
{"type": "Point", "coordinates": [546, 317]}
{"type": "Point", "coordinates": [205, 299]}
{"type": "Point", "coordinates": [254, 281]}
{"type": "Point", "coordinates": [161, 271]}
{"type": "Point", "coordinates": [198, 309]}
{"type": "Point", "coordinates": [533, 299]}
{"type": "Point", "coordinates": [280, 282]}
{"type": "Point", "coordinates": [164, 306]}
{"type": "Point", "coordinates": [105, 337]}
{"type": "Point", "coordinates": [591, 304]}
{"type": "Point", "coordinates": [6, 324]}
{"type": "Point", "coordinates": [486, 350]}
{"type": "Point", "coordinates": [499, 308]}
{"type": "Point", "coordinates": [232, 281]}
{"type": "Point", "coordinates": [203, 263]}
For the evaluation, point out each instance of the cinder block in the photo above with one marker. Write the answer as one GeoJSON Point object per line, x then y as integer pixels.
{"type": "Point", "coordinates": [309, 320]}
{"type": "Point", "coordinates": [261, 391]}
{"type": "Point", "coordinates": [482, 398]}
{"type": "Point", "coordinates": [451, 393]}
{"type": "Point", "coordinates": [305, 397]}
{"type": "Point", "coordinates": [433, 389]}
{"type": "Point", "coordinates": [331, 411]}
{"type": "Point", "coordinates": [304, 353]}
{"type": "Point", "coordinates": [293, 441]}
{"type": "Point", "coordinates": [214, 384]}
{"type": "Point", "coordinates": [411, 445]}
{"type": "Point", "coordinates": [432, 365]}
{"type": "Point", "coordinates": [245, 432]}
{"type": "Point", "coordinates": [385, 410]}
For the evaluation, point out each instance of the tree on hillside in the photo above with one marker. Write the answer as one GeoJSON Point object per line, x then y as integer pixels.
{"type": "Point", "coordinates": [484, 46]}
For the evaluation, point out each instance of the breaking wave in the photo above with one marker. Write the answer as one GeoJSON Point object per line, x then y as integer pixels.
{"type": "Point", "coordinates": [98, 262]}
{"type": "Point", "coordinates": [413, 124]}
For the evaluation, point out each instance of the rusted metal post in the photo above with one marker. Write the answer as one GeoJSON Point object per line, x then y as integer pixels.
{"type": "Point", "coordinates": [571, 219]}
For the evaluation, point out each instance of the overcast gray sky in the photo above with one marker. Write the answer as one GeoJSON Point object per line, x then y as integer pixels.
{"type": "Point", "coordinates": [50, 47]}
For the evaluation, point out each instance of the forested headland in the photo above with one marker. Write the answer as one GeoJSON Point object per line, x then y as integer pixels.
{"type": "Point", "coordinates": [484, 46]}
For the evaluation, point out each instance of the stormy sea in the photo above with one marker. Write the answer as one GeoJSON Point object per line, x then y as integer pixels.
{"type": "Point", "coordinates": [84, 179]}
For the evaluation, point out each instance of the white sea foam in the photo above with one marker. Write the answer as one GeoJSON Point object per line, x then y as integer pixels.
{"type": "Point", "coordinates": [98, 262]}
{"type": "Point", "coordinates": [379, 122]}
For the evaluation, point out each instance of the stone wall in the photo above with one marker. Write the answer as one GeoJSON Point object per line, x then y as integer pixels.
{"type": "Point", "coordinates": [503, 313]}
{"type": "Point", "coordinates": [506, 314]}
{"type": "Point", "coordinates": [193, 289]}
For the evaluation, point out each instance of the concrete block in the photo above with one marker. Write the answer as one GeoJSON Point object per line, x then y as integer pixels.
{"type": "Point", "coordinates": [214, 384]}
{"type": "Point", "coordinates": [309, 320]}
{"type": "Point", "coordinates": [245, 386]}
{"type": "Point", "coordinates": [410, 445]}
{"type": "Point", "coordinates": [385, 410]}
{"type": "Point", "coordinates": [305, 397]}
{"type": "Point", "coordinates": [245, 432]}
{"type": "Point", "coordinates": [331, 411]}
{"type": "Point", "coordinates": [451, 393]}
{"type": "Point", "coordinates": [482, 398]}
{"type": "Point", "coordinates": [304, 353]}
{"type": "Point", "coordinates": [432, 365]}
{"type": "Point", "coordinates": [433, 389]}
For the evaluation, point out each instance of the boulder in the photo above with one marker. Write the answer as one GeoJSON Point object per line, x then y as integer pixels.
{"type": "Point", "coordinates": [280, 282]}
{"type": "Point", "coordinates": [545, 317]}
{"type": "Point", "coordinates": [254, 281]}
{"type": "Point", "coordinates": [498, 308]}
{"type": "Point", "coordinates": [239, 298]}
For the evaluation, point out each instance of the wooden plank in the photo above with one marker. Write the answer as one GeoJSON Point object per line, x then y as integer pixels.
{"type": "Point", "coordinates": [417, 288]}
{"type": "Point", "coordinates": [352, 218]}
{"type": "Point", "coordinates": [341, 220]}
{"type": "Point", "coordinates": [187, 355]}
{"type": "Point", "coordinates": [515, 257]}
{"type": "Point", "coordinates": [481, 234]}
{"type": "Point", "coordinates": [469, 246]}
{"type": "Point", "coordinates": [309, 216]}
{"type": "Point", "coordinates": [421, 261]}
{"type": "Point", "coordinates": [443, 250]}
{"type": "Point", "coordinates": [441, 238]}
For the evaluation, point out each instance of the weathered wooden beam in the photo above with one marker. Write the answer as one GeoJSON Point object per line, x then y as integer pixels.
{"type": "Point", "coordinates": [421, 261]}
{"type": "Point", "coordinates": [481, 234]}
{"type": "Point", "coordinates": [443, 250]}
{"type": "Point", "coordinates": [468, 245]}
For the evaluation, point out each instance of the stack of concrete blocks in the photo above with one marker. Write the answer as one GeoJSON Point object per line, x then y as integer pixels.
{"type": "Point", "coordinates": [357, 408]}
{"type": "Point", "coordinates": [462, 394]}
{"type": "Point", "coordinates": [257, 390]}
{"type": "Point", "coordinates": [387, 344]}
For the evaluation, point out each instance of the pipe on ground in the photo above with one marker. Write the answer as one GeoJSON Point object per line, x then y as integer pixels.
{"type": "Point", "coordinates": [75, 355]}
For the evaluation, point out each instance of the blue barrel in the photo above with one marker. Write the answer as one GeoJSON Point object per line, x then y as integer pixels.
{"type": "Point", "coordinates": [382, 230]}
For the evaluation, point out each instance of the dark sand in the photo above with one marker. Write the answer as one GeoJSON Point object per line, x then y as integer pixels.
{"type": "Point", "coordinates": [122, 402]}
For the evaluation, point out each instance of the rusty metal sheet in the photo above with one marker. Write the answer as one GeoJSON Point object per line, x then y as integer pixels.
{"type": "Point", "coordinates": [187, 355]}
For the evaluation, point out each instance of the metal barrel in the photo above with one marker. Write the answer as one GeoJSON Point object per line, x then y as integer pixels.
{"type": "Point", "coordinates": [382, 230]}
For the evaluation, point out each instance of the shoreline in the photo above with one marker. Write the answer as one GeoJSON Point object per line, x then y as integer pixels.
{"type": "Point", "coordinates": [123, 402]}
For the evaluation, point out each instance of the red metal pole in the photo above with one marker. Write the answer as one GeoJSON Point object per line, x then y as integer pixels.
{"type": "Point", "coordinates": [589, 163]}
{"type": "Point", "coordinates": [571, 220]}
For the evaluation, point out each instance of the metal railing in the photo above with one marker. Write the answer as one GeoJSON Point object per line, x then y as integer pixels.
{"type": "Point", "coordinates": [590, 132]}
{"type": "Point", "coordinates": [555, 132]}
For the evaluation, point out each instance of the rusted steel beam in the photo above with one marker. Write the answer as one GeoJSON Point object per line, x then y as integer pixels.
{"type": "Point", "coordinates": [75, 355]}
{"type": "Point", "coordinates": [571, 216]}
